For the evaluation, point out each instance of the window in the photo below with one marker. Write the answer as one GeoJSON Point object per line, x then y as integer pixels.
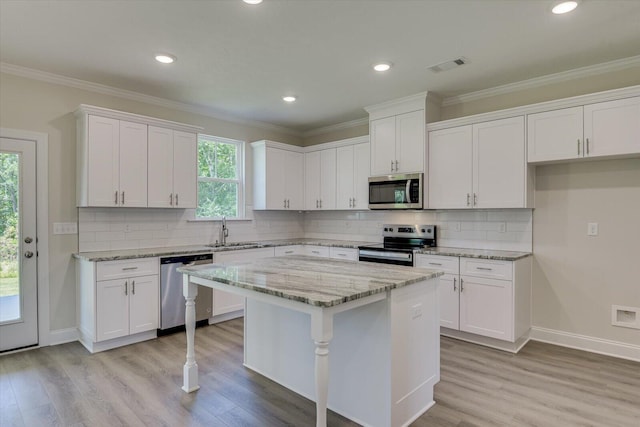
{"type": "Point", "coordinates": [220, 177]}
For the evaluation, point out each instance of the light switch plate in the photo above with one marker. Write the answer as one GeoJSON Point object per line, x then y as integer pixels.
{"type": "Point", "coordinates": [65, 228]}
{"type": "Point", "coordinates": [592, 229]}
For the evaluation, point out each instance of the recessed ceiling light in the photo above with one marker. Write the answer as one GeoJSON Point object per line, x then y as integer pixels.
{"type": "Point", "coordinates": [289, 98]}
{"type": "Point", "coordinates": [382, 66]}
{"type": "Point", "coordinates": [165, 58]}
{"type": "Point", "coordinates": [252, 1]}
{"type": "Point", "coordinates": [564, 7]}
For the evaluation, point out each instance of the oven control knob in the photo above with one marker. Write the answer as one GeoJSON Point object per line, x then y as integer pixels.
{"type": "Point", "coordinates": [428, 230]}
{"type": "Point", "coordinates": [422, 230]}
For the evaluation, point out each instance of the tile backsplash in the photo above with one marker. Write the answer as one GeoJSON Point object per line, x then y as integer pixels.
{"type": "Point", "coordinates": [507, 229]}
{"type": "Point", "coordinates": [102, 229]}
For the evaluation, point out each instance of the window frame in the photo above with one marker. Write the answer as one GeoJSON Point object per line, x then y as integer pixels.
{"type": "Point", "coordinates": [240, 174]}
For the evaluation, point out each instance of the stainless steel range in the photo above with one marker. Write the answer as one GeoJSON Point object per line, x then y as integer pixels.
{"type": "Point", "coordinates": [399, 244]}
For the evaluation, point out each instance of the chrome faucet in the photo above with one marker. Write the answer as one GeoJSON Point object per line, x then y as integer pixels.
{"type": "Point", "coordinates": [224, 232]}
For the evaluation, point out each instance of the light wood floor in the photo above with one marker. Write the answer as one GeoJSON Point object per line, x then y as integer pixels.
{"type": "Point", "coordinates": [137, 385]}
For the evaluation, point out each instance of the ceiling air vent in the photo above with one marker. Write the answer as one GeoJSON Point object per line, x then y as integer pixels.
{"type": "Point", "coordinates": [449, 65]}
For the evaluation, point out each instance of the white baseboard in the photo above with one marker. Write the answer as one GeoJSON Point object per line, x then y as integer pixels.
{"type": "Point", "coordinates": [63, 336]}
{"type": "Point", "coordinates": [587, 343]}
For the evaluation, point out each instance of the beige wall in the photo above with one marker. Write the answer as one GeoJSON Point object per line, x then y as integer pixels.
{"type": "Point", "coordinates": [576, 277]}
{"type": "Point", "coordinates": [566, 89]}
{"type": "Point", "coordinates": [44, 107]}
{"type": "Point", "coordinates": [337, 135]}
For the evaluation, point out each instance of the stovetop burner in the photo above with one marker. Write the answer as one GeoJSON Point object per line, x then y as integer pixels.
{"type": "Point", "coordinates": [399, 243]}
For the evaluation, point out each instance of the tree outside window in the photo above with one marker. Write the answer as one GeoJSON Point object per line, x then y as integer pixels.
{"type": "Point", "coordinates": [220, 177]}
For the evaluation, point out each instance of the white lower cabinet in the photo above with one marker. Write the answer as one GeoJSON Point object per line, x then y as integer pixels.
{"type": "Point", "coordinates": [118, 302]}
{"type": "Point", "coordinates": [348, 254]}
{"type": "Point", "coordinates": [488, 298]}
{"type": "Point", "coordinates": [319, 251]}
{"type": "Point", "coordinates": [225, 302]}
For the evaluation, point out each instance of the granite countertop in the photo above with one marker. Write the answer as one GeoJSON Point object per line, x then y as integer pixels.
{"type": "Point", "coordinates": [180, 250]}
{"type": "Point", "coordinates": [315, 281]}
{"type": "Point", "coordinates": [475, 253]}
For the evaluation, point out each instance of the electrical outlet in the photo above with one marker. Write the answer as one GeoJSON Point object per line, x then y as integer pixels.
{"type": "Point", "coordinates": [456, 226]}
{"type": "Point", "coordinates": [592, 229]}
{"type": "Point", "coordinates": [127, 228]}
{"type": "Point", "coordinates": [502, 227]}
{"type": "Point", "coordinates": [65, 228]}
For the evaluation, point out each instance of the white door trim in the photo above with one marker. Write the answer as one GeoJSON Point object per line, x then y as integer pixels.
{"type": "Point", "coordinates": [42, 212]}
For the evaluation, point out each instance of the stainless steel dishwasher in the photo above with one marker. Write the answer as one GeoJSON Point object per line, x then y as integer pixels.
{"type": "Point", "coordinates": [172, 303]}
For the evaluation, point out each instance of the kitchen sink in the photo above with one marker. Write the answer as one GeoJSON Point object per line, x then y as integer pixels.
{"type": "Point", "coordinates": [242, 245]}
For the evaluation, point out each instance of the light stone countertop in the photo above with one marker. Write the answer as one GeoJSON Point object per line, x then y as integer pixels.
{"type": "Point", "coordinates": [196, 249]}
{"type": "Point", "coordinates": [475, 253]}
{"type": "Point", "coordinates": [315, 281]}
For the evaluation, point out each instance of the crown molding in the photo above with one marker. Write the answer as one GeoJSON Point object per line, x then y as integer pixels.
{"type": "Point", "coordinates": [338, 126]}
{"type": "Point", "coordinates": [48, 77]}
{"type": "Point", "coordinates": [591, 70]}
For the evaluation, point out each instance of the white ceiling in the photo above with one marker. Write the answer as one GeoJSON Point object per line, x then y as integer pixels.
{"type": "Point", "coordinates": [239, 60]}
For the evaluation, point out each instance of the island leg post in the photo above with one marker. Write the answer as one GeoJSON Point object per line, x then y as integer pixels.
{"type": "Point", "coordinates": [321, 333]}
{"type": "Point", "coordinates": [190, 370]}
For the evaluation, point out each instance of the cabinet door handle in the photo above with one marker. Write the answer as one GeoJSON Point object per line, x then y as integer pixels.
{"type": "Point", "coordinates": [578, 147]}
{"type": "Point", "coordinates": [354, 203]}
{"type": "Point", "coordinates": [468, 199]}
{"type": "Point", "coordinates": [315, 252]}
{"type": "Point", "coordinates": [317, 204]}
{"type": "Point", "coordinates": [461, 285]}
{"type": "Point", "coordinates": [115, 200]}
{"type": "Point", "coordinates": [288, 252]}
{"type": "Point", "coordinates": [284, 203]}
{"type": "Point", "coordinates": [587, 145]}
{"type": "Point", "coordinates": [454, 285]}
{"type": "Point", "coordinates": [126, 287]}
{"type": "Point", "coordinates": [122, 198]}
{"type": "Point", "coordinates": [396, 166]}
{"type": "Point", "coordinates": [288, 203]}
{"type": "Point", "coordinates": [171, 199]}
{"type": "Point", "coordinates": [133, 287]}
{"type": "Point", "coordinates": [391, 165]}
{"type": "Point", "coordinates": [176, 199]}
{"type": "Point", "coordinates": [320, 203]}
{"type": "Point", "coordinates": [129, 268]}
{"type": "Point", "coordinates": [342, 254]}
{"type": "Point", "coordinates": [475, 199]}
{"type": "Point", "coordinates": [435, 263]}
{"type": "Point", "coordinates": [484, 268]}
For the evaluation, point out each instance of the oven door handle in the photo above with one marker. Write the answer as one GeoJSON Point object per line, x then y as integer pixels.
{"type": "Point", "coordinates": [386, 255]}
{"type": "Point", "coordinates": [408, 191]}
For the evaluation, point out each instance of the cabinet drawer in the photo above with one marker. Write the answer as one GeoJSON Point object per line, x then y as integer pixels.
{"type": "Point", "coordinates": [245, 255]}
{"type": "Point", "coordinates": [321, 251]}
{"type": "Point", "coordinates": [448, 264]}
{"type": "Point", "coordinates": [108, 270]}
{"type": "Point", "coordinates": [288, 250]}
{"type": "Point", "coordinates": [486, 268]}
{"type": "Point", "coordinates": [344, 253]}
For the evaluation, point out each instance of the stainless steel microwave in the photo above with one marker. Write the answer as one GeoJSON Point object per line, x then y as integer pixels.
{"type": "Point", "coordinates": [396, 191]}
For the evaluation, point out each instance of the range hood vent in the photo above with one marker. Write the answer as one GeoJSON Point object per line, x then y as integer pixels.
{"type": "Point", "coordinates": [449, 65]}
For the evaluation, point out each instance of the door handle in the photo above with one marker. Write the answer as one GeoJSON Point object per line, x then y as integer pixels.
{"type": "Point", "coordinates": [28, 254]}
{"type": "Point", "coordinates": [28, 239]}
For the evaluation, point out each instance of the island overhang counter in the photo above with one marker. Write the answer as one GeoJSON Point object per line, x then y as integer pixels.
{"type": "Point", "coordinates": [382, 322]}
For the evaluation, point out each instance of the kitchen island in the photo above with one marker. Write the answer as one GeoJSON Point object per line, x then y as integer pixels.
{"type": "Point", "coordinates": [382, 322]}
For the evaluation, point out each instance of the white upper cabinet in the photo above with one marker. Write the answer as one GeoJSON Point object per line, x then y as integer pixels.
{"type": "Point", "coordinates": [610, 128]}
{"type": "Point", "coordinates": [352, 191]}
{"type": "Point", "coordinates": [125, 161]}
{"type": "Point", "coordinates": [320, 179]}
{"type": "Point", "coordinates": [114, 171]}
{"type": "Point", "coordinates": [173, 168]}
{"type": "Point", "coordinates": [397, 133]}
{"type": "Point", "coordinates": [450, 168]}
{"type": "Point", "coordinates": [555, 135]}
{"type": "Point", "coordinates": [499, 164]}
{"type": "Point", "coordinates": [278, 176]}
{"type": "Point", "coordinates": [478, 166]}
{"type": "Point", "coordinates": [397, 143]}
